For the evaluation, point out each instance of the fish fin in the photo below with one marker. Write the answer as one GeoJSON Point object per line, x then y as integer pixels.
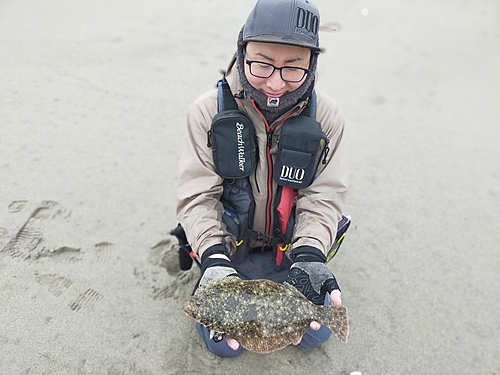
{"type": "Point", "coordinates": [335, 318]}
{"type": "Point", "coordinates": [269, 344]}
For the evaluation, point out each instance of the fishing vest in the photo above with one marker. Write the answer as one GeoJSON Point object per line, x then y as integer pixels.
{"type": "Point", "coordinates": [301, 147]}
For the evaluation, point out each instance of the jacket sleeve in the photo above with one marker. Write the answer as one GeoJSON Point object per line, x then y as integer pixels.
{"type": "Point", "coordinates": [319, 206]}
{"type": "Point", "coordinates": [199, 187]}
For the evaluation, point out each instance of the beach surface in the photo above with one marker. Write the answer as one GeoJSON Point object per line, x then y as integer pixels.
{"type": "Point", "coordinates": [93, 103]}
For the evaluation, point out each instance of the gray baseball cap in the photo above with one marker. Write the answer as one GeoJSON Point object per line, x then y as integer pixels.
{"type": "Point", "coordinates": [293, 22]}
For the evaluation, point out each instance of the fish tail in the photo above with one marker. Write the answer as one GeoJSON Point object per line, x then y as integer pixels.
{"type": "Point", "coordinates": [335, 318]}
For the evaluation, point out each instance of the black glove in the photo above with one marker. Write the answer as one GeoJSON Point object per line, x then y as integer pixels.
{"type": "Point", "coordinates": [215, 268]}
{"type": "Point", "coordinates": [310, 275]}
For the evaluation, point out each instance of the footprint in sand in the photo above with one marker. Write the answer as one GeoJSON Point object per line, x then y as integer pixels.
{"type": "Point", "coordinates": [3, 232]}
{"type": "Point", "coordinates": [104, 251]}
{"type": "Point", "coordinates": [56, 284]}
{"type": "Point", "coordinates": [63, 253]}
{"type": "Point", "coordinates": [179, 289]}
{"type": "Point", "coordinates": [86, 301]}
{"type": "Point", "coordinates": [166, 255]}
{"type": "Point", "coordinates": [26, 243]}
{"type": "Point", "coordinates": [17, 206]}
{"type": "Point", "coordinates": [29, 243]}
{"type": "Point", "coordinates": [49, 210]}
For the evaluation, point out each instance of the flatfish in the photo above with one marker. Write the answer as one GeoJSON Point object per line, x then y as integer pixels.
{"type": "Point", "coordinates": [263, 316]}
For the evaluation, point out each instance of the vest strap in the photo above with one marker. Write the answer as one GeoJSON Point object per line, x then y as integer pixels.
{"type": "Point", "coordinates": [225, 98]}
{"type": "Point", "coordinates": [267, 239]}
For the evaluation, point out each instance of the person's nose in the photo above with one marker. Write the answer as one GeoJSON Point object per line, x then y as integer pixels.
{"type": "Point", "coordinates": [275, 83]}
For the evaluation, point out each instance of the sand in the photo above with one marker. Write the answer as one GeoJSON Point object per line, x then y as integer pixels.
{"type": "Point", "coordinates": [93, 99]}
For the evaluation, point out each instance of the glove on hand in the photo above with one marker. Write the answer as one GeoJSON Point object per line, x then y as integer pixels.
{"type": "Point", "coordinates": [310, 275]}
{"type": "Point", "coordinates": [215, 268]}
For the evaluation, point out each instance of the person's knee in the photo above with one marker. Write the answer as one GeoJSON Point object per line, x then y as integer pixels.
{"type": "Point", "coordinates": [220, 348]}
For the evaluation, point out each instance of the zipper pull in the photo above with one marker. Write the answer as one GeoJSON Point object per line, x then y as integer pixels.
{"type": "Point", "coordinates": [327, 150]}
{"type": "Point", "coordinates": [209, 137]}
{"type": "Point", "coordinates": [240, 95]}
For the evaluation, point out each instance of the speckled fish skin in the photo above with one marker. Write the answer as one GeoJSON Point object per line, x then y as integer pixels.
{"type": "Point", "coordinates": [263, 316]}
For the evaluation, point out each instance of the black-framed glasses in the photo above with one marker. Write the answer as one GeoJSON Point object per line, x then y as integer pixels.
{"type": "Point", "coordinates": [261, 69]}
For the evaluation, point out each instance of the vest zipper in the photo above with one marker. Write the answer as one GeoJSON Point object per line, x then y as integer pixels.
{"type": "Point", "coordinates": [269, 198]}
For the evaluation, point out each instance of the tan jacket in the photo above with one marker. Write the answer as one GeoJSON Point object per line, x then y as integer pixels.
{"type": "Point", "coordinates": [319, 206]}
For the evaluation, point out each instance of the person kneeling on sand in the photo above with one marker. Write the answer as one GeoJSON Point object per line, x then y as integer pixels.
{"type": "Point", "coordinates": [263, 171]}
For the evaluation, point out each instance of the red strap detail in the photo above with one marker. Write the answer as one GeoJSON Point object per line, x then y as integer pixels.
{"type": "Point", "coordinates": [285, 206]}
{"type": "Point", "coordinates": [279, 255]}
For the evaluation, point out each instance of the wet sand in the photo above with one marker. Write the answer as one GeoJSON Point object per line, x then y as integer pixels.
{"type": "Point", "coordinates": [93, 99]}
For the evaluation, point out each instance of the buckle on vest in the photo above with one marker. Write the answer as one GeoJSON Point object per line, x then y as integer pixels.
{"type": "Point", "coordinates": [268, 239]}
{"type": "Point", "coordinates": [264, 238]}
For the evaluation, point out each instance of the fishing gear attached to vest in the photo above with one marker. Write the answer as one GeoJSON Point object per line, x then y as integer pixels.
{"type": "Point", "coordinates": [232, 137]}
{"type": "Point", "coordinates": [302, 146]}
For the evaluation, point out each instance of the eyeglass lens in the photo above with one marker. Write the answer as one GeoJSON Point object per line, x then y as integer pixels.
{"type": "Point", "coordinates": [264, 70]}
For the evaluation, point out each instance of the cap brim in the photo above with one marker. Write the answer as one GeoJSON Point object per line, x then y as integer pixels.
{"type": "Point", "coordinates": [282, 40]}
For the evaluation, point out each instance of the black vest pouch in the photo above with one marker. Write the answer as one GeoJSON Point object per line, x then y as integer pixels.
{"type": "Point", "coordinates": [301, 147]}
{"type": "Point", "coordinates": [239, 204]}
{"type": "Point", "coordinates": [232, 138]}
